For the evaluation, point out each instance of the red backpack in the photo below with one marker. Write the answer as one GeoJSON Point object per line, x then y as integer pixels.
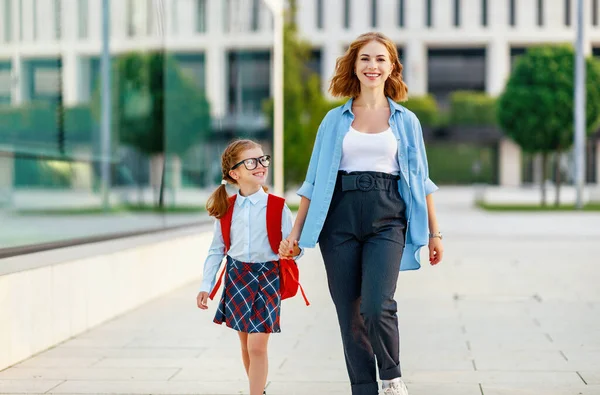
{"type": "Point", "coordinates": [289, 276]}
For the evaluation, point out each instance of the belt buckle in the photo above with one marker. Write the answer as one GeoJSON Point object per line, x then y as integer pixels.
{"type": "Point", "coordinates": [365, 178]}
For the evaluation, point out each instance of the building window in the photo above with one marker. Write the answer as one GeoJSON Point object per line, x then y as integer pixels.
{"type": "Point", "coordinates": [512, 13]}
{"type": "Point", "coordinates": [452, 69]}
{"type": "Point", "coordinates": [5, 84]}
{"type": "Point", "coordinates": [34, 6]}
{"type": "Point", "coordinates": [57, 19]}
{"type": "Point", "coordinates": [249, 82]}
{"type": "Point", "coordinates": [319, 14]}
{"type": "Point", "coordinates": [456, 12]}
{"type": "Point", "coordinates": [226, 15]}
{"type": "Point", "coordinates": [484, 13]}
{"type": "Point", "coordinates": [254, 23]}
{"type": "Point", "coordinates": [45, 77]}
{"type": "Point", "coordinates": [150, 12]}
{"type": "Point", "coordinates": [347, 14]}
{"type": "Point", "coordinates": [7, 21]}
{"type": "Point", "coordinates": [540, 13]}
{"type": "Point", "coordinates": [82, 18]}
{"type": "Point", "coordinates": [21, 20]}
{"type": "Point", "coordinates": [595, 12]}
{"type": "Point", "coordinates": [428, 19]}
{"type": "Point", "coordinates": [201, 16]}
{"type": "Point", "coordinates": [567, 12]}
{"type": "Point", "coordinates": [401, 13]}
{"type": "Point", "coordinates": [130, 12]}
{"type": "Point", "coordinates": [374, 13]}
{"type": "Point", "coordinates": [193, 66]}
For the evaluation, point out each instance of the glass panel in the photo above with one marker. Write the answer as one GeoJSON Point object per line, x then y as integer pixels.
{"type": "Point", "coordinates": [450, 70]}
{"type": "Point", "coordinates": [347, 13]}
{"type": "Point", "coordinates": [201, 16]}
{"type": "Point", "coordinates": [83, 18]}
{"type": "Point", "coordinates": [7, 20]}
{"type": "Point", "coordinates": [174, 108]}
{"type": "Point", "coordinates": [484, 12]}
{"type": "Point", "coordinates": [428, 11]}
{"type": "Point", "coordinates": [373, 13]}
{"type": "Point", "coordinates": [401, 13]}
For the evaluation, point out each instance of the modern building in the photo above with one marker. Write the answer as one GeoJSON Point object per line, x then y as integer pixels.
{"type": "Point", "coordinates": [52, 47]}
{"type": "Point", "coordinates": [449, 45]}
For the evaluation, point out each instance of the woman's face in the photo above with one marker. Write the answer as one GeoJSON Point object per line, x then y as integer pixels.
{"type": "Point", "coordinates": [373, 65]}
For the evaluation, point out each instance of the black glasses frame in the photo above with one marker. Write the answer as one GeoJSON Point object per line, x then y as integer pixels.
{"type": "Point", "coordinates": [262, 160]}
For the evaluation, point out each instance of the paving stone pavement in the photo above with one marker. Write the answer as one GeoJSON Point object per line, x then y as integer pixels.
{"type": "Point", "coordinates": [513, 310]}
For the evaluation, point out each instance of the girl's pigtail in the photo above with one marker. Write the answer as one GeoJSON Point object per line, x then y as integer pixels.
{"type": "Point", "coordinates": [218, 203]}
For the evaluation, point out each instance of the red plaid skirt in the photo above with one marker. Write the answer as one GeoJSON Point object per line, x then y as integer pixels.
{"type": "Point", "coordinates": [251, 300]}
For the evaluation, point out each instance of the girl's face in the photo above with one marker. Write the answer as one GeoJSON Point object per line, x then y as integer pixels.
{"type": "Point", "coordinates": [373, 65]}
{"type": "Point", "coordinates": [249, 169]}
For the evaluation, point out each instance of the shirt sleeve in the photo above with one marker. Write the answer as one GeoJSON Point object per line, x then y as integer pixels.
{"type": "Point", "coordinates": [286, 227]}
{"type": "Point", "coordinates": [430, 186]}
{"type": "Point", "coordinates": [216, 253]}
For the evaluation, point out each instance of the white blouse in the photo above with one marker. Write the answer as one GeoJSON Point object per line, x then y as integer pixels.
{"type": "Point", "coordinates": [370, 152]}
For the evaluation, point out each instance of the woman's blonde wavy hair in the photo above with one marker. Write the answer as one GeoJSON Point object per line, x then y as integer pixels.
{"type": "Point", "coordinates": [346, 84]}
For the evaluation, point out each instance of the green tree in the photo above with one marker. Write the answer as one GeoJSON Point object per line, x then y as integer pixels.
{"type": "Point", "coordinates": [536, 107]}
{"type": "Point", "coordinates": [305, 104]}
{"type": "Point", "coordinates": [155, 108]}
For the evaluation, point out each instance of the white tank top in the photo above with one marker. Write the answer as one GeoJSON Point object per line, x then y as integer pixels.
{"type": "Point", "coordinates": [370, 152]}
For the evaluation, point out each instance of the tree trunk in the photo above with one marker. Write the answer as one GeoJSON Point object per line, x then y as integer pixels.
{"type": "Point", "coordinates": [557, 178]}
{"type": "Point", "coordinates": [544, 175]}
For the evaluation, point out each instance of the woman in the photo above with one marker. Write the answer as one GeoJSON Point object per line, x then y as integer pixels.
{"type": "Point", "coordinates": [367, 201]}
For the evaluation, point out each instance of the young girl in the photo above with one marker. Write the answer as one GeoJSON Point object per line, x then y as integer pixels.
{"type": "Point", "coordinates": [251, 299]}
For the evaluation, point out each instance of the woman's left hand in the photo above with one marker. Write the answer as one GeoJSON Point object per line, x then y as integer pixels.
{"type": "Point", "coordinates": [436, 251]}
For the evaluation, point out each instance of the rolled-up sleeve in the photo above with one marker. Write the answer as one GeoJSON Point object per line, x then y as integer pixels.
{"type": "Point", "coordinates": [430, 186]}
{"type": "Point", "coordinates": [306, 190]}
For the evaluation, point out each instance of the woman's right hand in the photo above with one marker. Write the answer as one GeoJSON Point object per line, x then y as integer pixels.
{"type": "Point", "coordinates": [202, 300]}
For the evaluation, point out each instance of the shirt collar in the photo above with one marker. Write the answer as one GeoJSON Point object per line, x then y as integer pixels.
{"type": "Point", "coordinates": [393, 106]}
{"type": "Point", "coordinates": [256, 197]}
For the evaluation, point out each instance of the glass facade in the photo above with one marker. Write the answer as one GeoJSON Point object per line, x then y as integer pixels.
{"type": "Point", "coordinates": [455, 69]}
{"type": "Point", "coordinates": [174, 107]}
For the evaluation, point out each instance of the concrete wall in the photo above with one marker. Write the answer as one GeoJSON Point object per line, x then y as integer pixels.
{"type": "Point", "coordinates": [48, 297]}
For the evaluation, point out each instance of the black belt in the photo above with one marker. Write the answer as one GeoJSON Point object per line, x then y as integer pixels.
{"type": "Point", "coordinates": [366, 182]}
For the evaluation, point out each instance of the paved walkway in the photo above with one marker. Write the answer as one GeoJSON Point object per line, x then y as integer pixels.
{"type": "Point", "coordinates": [514, 309]}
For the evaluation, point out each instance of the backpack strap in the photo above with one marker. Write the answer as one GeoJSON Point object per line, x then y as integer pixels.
{"type": "Point", "coordinates": [226, 232]}
{"type": "Point", "coordinates": [275, 206]}
{"type": "Point", "coordinates": [226, 223]}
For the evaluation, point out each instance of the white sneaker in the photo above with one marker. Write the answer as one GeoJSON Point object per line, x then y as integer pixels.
{"type": "Point", "coordinates": [396, 388]}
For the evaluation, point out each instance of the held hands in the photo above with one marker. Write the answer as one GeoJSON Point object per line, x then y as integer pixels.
{"type": "Point", "coordinates": [202, 300]}
{"type": "Point", "coordinates": [436, 251]}
{"type": "Point", "coordinates": [288, 248]}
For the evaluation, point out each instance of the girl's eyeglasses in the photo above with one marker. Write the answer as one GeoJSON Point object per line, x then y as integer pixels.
{"type": "Point", "coordinates": [252, 163]}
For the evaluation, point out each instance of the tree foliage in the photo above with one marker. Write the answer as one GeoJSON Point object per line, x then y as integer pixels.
{"type": "Point", "coordinates": [537, 105]}
{"type": "Point", "coordinates": [154, 107]}
{"type": "Point", "coordinates": [305, 105]}
{"type": "Point", "coordinates": [536, 108]}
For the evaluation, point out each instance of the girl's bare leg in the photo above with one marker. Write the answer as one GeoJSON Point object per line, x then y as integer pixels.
{"type": "Point", "coordinates": [245, 357]}
{"type": "Point", "coordinates": [259, 362]}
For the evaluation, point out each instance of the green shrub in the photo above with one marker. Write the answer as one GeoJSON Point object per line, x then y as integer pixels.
{"type": "Point", "coordinates": [472, 109]}
{"type": "Point", "coordinates": [425, 108]}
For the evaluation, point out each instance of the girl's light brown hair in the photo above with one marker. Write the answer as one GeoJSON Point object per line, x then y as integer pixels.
{"type": "Point", "coordinates": [218, 203]}
{"type": "Point", "coordinates": [346, 84]}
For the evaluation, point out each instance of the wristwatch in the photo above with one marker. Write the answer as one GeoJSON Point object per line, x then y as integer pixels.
{"type": "Point", "coordinates": [434, 235]}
